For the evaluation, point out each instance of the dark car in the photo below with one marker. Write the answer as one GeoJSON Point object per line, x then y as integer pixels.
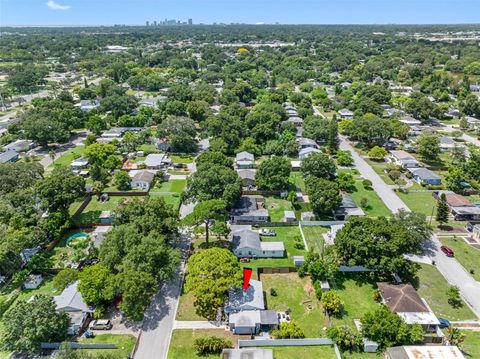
{"type": "Point", "coordinates": [443, 323]}
{"type": "Point", "coordinates": [447, 250]}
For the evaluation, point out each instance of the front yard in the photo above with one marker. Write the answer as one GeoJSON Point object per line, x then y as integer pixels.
{"type": "Point", "coordinates": [432, 287]}
{"type": "Point", "coordinates": [65, 160]}
{"type": "Point", "coordinates": [375, 206]}
{"type": "Point", "coordinates": [468, 256]}
{"type": "Point", "coordinates": [471, 345]}
{"type": "Point", "coordinates": [124, 343]}
{"type": "Point", "coordinates": [297, 295]}
{"type": "Point", "coordinates": [422, 202]}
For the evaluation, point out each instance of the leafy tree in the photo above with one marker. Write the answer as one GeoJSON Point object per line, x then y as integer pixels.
{"type": "Point", "coordinates": [207, 213]}
{"type": "Point", "coordinates": [137, 291]}
{"type": "Point", "coordinates": [344, 158]}
{"type": "Point", "coordinates": [65, 277]}
{"type": "Point", "coordinates": [345, 182]}
{"type": "Point", "coordinates": [209, 158]}
{"type": "Point", "coordinates": [388, 329]}
{"type": "Point", "coordinates": [214, 182]}
{"type": "Point", "coordinates": [209, 276]}
{"type": "Point", "coordinates": [28, 324]}
{"type": "Point", "coordinates": [318, 165]}
{"type": "Point", "coordinates": [454, 178]}
{"type": "Point", "coordinates": [26, 78]}
{"type": "Point", "coordinates": [97, 284]}
{"type": "Point", "coordinates": [455, 336]}
{"type": "Point", "coordinates": [273, 174]}
{"type": "Point", "coordinates": [324, 195]}
{"type": "Point", "coordinates": [96, 124]}
{"type": "Point", "coordinates": [333, 141]}
{"type": "Point", "coordinates": [118, 104]}
{"type": "Point", "coordinates": [19, 175]}
{"type": "Point", "coordinates": [345, 337]}
{"type": "Point", "coordinates": [99, 153]}
{"type": "Point", "coordinates": [442, 210]}
{"type": "Point", "coordinates": [316, 128]}
{"type": "Point", "coordinates": [453, 295]}
{"type": "Point", "coordinates": [122, 181]}
{"type": "Point", "coordinates": [332, 302]}
{"type": "Point", "coordinates": [370, 129]}
{"type": "Point", "coordinates": [428, 147]}
{"type": "Point", "coordinates": [288, 330]}
{"type": "Point", "coordinates": [377, 153]}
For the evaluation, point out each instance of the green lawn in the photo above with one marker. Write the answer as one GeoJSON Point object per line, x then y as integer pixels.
{"type": "Point", "coordinates": [69, 156]}
{"type": "Point", "coordinates": [379, 168]}
{"type": "Point", "coordinates": [468, 256]}
{"type": "Point", "coordinates": [376, 207]}
{"type": "Point", "coordinates": [314, 237]}
{"type": "Point", "coordinates": [298, 295]}
{"type": "Point", "coordinates": [422, 202]}
{"type": "Point", "coordinates": [347, 355]}
{"type": "Point", "coordinates": [471, 345]}
{"type": "Point", "coordinates": [186, 308]}
{"type": "Point", "coordinates": [172, 186]}
{"type": "Point", "coordinates": [289, 236]}
{"type": "Point", "coordinates": [432, 287]}
{"type": "Point", "coordinates": [320, 352]}
{"type": "Point", "coordinates": [94, 209]}
{"type": "Point", "coordinates": [185, 159]}
{"type": "Point", "coordinates": [124, 343]}
{"type": "Point", "coordinates": [296, 178]}
{"type": "Point", "coordinates": [276, 208]}
{"type": "Point", "coordinates": [181, 344]}
{"type": "Point", "coordinates": [356, 291]}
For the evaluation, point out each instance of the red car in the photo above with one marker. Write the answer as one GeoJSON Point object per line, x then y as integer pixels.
{"type": "Point", "coordinates": [447, 250]}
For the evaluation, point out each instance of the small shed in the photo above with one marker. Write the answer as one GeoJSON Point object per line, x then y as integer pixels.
{"type": "Point", "coordinates": [307, 216]}
{"type": "Point", "coordinates": [298, 260]}
{"type": "Point", "coordinates": [33, 281]}
{"type": "Point", "coordinates": [289, 216]}
{"type": "Point", "coordinates": [106, 217]}
{"type": "Point", "coordinates": [369, 346]}
{"type": "Point", "coordinates": [324, 285]}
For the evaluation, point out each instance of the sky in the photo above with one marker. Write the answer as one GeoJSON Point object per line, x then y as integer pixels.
{"type": "Point", "coordinates": [136, 12]}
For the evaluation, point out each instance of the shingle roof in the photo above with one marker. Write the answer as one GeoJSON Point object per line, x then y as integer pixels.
{"type": "Point", "coordinates": [144, 176]}
{"type": "Point", "coordinates": [252, 297]}
{"type": "Point", "coordinates": [71, 299]}
{"type": "Point", "coordinates": [244, 156]}
{"type": "Point", "coordinates": [246, 238]}
{"type": "Point", "coordinates": [401, 298]}
{"type": "Point", "coordinates": [425, 173]}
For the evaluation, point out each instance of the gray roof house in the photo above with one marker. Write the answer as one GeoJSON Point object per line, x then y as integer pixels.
{"type": "Point", "coordinates": [247, 244]}
{"type": "Point", "coordinates": [249, 210]}
{"type": "Point", "coordinates": [404, 159]}
{"type": "Point", "coordinates": [252, 321]}
{"type": "Point", "coordinates": [8, 156]}
{"type": "Point", "coordinates": [155, 161]}
{"type": "Point", "coordinates": [250, 299]}
{"type": "Point", "coordinates": [19, 146]}
{"type": "Point", "coordinates": [297, 121]}
{"type": "Point", "coordinates": [244, 160]}
{"type": "Point", "coordinates": [348, 208]}
{"type": "Point", "coordinates": [345, 114]}
{"type": "Point", "coordinates": [248, 176]}
{"type": "Point", "coordinates": [306, 142]}
{"type": "Point", "coordinates": [71, 302]}
{"type": "Point", "coordinates": [305, 152]}
{"type": "Point", "coordinates": [424, 175]}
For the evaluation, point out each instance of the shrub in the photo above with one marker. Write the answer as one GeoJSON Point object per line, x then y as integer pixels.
{"type": "Point", "coordinates": [367, 183]}
{"type": "Point", "coordinates": [299, 245]}
{"type": "Point", "coordinates": [394, 174]}
{"type": "Point", "coordinates": [273, 292]}
{"type": "Point", "coordinates": [211, 345]}
{"type": "Point", "coordinates": [288, 330]}
{"type": "Point", "coordinates": [332, 303]}
{"type": "Point", "coordinates": [345, 337]}
{"type": "Point", "coordinates": [64, 278]}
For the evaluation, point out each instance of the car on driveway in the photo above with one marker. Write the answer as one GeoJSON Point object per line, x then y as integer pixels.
{"type": "Point", "coordinates": [447, 250]}
{"type": "Point", "coordinates": [444, 323]}
{"type": "Point", "coordinates": [267, 232]}
{"type": "Point", "coordinates": [100, 324]}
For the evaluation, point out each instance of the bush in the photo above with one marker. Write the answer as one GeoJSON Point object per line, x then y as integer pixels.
{"type": "Point", "coordinates": [367, 183]}
{"type": "Point", "coordinates": [273, 292]}
{"type": "Point", "coordinates": [299, 245]}
{"type": "Point", "coordinates": [345, 337]}
{"type": "Point", "coordinates": [364, 202]}
{"type": "Point", "coordinates": [288, 330]}
{"type": "Point", "coordinates": [64, 278]}
{"type": "Point", "coordinates": [211, 345]}
{"type": "Point", "coordinates": [332, 303]}
{"type": "Point", "coordinates": [394, 174]}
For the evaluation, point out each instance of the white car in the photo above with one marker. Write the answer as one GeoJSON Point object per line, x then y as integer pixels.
{"type": "Point", "coordinates": [267, 232]}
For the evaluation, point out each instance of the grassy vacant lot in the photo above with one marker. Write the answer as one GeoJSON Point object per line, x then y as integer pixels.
{"type": "Point", "coordinates": [376, 207]}
{"type": "Point", "coordinates": [289, 236]}
{"type": "Point", "coordinates": [186, 308]}
{"type": "Point", "coordinates": [422, 202]}
{"type": "Point", "coordinates": [323, 352]}
{"type": "Point", "coordinates": [468, 256]}
{"type": "Point", "coordinates": [94, 209]}
{"type": "Point", "coordinates": [314, 237]}
{"type": "Point", "coordinates": [69, 156]}
{"type": "Point", "coordinates": [298, 295]}
{"type": "Point", "coordinates": [181, 345]}
{"type": "Point", "coordinates": [124, 343]}
{"type": "Point", "coordinates": [432, 287]}
{"type": "Point", "coordinates": [276, 208]}
{"type": "Point", "coordinates": [356, 291]}
{"type": "Point", "coordinates": [471, 345]}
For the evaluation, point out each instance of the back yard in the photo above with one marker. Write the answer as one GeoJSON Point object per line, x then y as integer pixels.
{"type": "Point", "coordinates": [314, 237]}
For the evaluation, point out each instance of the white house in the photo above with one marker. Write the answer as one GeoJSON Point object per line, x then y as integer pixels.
{"type": "Point", "coordinates": [19, 146]}
{"type": "Point", "coordinates": [251, 299]}
{"type": "Point", "coordinates": [142, 179]}
{"type": "Point", "coordinates": [404, 159]}
{"type": "Point", "coordinates": [247, 244]}
{"type": "Point", "coordinates": [156, 161]}
{"type": "Point", "coordinates": [79, 164]}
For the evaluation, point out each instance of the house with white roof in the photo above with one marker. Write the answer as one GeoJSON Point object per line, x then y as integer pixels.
{"type": "Point", "coordinates": [247, 244]}
{"type": "Point", "coordinates": [244, 160]}
{"type": "Point", "coordinates": [308, 151]}
{"type": "Point", "coordinates": [71, 302]}
{"type": "Point", "coordinates": [156, 161]}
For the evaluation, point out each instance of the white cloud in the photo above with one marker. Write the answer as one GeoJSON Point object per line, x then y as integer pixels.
{"type": "Point", "coordinates": [56, 6]}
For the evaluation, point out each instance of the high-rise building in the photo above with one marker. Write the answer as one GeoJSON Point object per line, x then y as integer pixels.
{"type": "Point", "coordinates": [190, 22]}
{"type": "Point", "coordinates": [147, 23]}
{"type": "Point", "coordinates": [155, 23]}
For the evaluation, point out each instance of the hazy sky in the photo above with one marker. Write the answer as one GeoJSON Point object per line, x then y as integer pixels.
{"type": "Point", "coordinates": [107, 12]}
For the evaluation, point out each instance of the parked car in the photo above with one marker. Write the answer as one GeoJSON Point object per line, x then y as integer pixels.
{"type": "Point", "coordinates": [100, 324]}
{"type": "Point", "coordinates": [443, 323]}
{"type": "Point", "coordinates": [267, 232]}
{"type": "Point", "coordinates": [447, 250]}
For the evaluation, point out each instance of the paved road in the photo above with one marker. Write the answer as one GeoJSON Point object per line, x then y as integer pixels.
{"type": "Point", "coordinates": [467, 138]}
{"type": "Point", "coordinates": [455, 274]}
{"type": "Point", "coordinates": [388, 196]}
{"type": "Point", "coordinates": [159, 318]}
{"type": "Point", "coordinates": [47, 160]}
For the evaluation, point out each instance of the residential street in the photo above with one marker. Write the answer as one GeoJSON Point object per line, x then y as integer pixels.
{"type": "Point", "coordinates": [453, 271]}
{"type": "Point", "coordinates": [388, 196]}
{"type": "Point", "coordinates": [159, 318]}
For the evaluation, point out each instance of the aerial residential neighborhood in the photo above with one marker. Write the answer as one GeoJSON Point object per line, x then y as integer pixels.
{"type": "Point", "coordinates": [182, 190]}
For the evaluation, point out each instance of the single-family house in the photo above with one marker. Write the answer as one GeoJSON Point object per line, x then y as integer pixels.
{"type": "Point", "coordinates": [250, 299]}
{"type": "Point", "coordinates": [19, 146]}
{"type": "Point", "coordinates": [345, 114]}
{"type": "Point", "coordinates": [476, 232]}
{"type": "Point", "coordinates": [156, 161]}
{"type": "Point", "coordinates": [89, 105]}
{"type": "Point", "coordinates": [249, 210]}
{"type": "Point", "coordinates": [71, 302]}
{"type": "Point", "coordinates": [424, 352]}
{"type": "Point", "coordinates": [79, 164]}
{"type": "Point", "coordinates": [114, 133]}
{"type": "Point", "coordinates": [305, 152]}
{"type": "Point", "coordinates": [296, 120]}
{"type": "Point", "coordinates": [306, 143]}
{"type": "Point", "coordinates": [404, 159]}
{"type": "Point", "coordinates": [409, 120]}
{"type": "Point", "coordinates": [163, 145]}
{"type": "Point", "coordinates": [466, 213]}
{"type": "Point", "coordinates": [348, 208]}
{"type": "Point", "coordinates": [28, 253]}
{"type": "Point", "coordinates": [8, 156]}
{"type": "Point", "coordinates": [473, 122]}
{"type": "Point", "coordinates": [33, 281]}
{"type": "Point", "coordinates": [447, 143]}
{"type": "Point", "coordinates": [247, 244]}
{"type": "Point", "coordinates": [142, 179]}
{"type": "Point", "coordinates": [247, 353]}
{"type": "Point", "coordinates": [252, 321]}
{"type": "Point", "coordinates": [424, 175]}
{"type": "Point", "coordinates": [247, 176]}
{"type": "Point", "coordinates": [404, 300]}
{"type": "Point", "coordinates": [244, 160]}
